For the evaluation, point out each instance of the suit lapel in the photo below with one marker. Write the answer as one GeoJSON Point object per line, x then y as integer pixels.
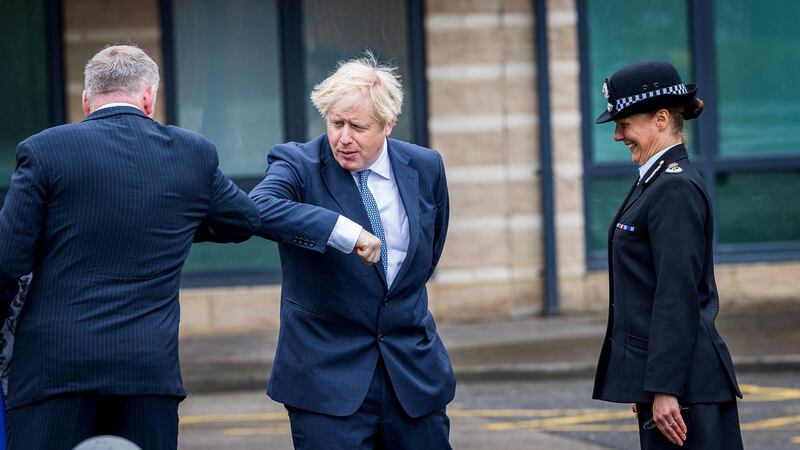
{"type": "Point", "coordinates": [635, 194]}
{"type": "Point", "coordinates": [407, 180]}
{"type": "Point", "coordinates": [343, 189]}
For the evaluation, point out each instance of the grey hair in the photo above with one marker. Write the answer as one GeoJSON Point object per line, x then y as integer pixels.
{"type": "Point", "coordinates": [120, 69]}
{"type": "Point", "coordinates": [361, 79]}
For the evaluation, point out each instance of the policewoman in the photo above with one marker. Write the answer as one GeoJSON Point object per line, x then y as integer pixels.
{"type": "Point", "coordinates": [662, 351]}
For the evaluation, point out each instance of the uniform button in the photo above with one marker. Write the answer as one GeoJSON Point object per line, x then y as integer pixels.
{"type": "Point", "coordinates": [386, 303]}
{"type": "Point", "coordinates": [380, 337]}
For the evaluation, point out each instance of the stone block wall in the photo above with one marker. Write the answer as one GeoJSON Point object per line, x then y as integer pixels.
{"type": "Point", "coordinates": [482, 119]}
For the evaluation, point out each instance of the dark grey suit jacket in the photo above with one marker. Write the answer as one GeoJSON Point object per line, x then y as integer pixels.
{"type": "Point", "coordinates": [104, 213]}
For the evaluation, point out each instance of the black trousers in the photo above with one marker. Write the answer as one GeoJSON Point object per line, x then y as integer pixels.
{"type": "Point", "coordinates": [710, 426]}
{"type": "Point", "coordinates": [151, 422]}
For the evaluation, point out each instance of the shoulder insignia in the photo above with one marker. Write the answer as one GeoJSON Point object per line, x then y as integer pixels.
{"type": "Point", "coordinates": [673, 167]}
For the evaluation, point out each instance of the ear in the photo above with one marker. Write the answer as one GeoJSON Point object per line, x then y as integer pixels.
{"type": "Point", "coordinates": [85, 102]}
{"type": "Point", "coordinates": [149, 100]}
{"type": "Point", "coordinates": [663, 118]}
{"type": "Point", "coordinates": [387, 130]}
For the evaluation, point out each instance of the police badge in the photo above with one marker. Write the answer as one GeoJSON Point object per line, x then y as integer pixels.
{"type": "Point", "coordinates": [673, 167]}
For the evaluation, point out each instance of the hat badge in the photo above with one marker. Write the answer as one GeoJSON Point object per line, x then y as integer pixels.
{"type": "Point", "coordinates": [610, 106]}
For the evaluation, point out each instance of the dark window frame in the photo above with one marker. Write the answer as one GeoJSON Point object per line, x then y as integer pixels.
{"type": "Point", "coordinates": [294, 105]}
{"type": "Point", "coordinates": [707, 160]}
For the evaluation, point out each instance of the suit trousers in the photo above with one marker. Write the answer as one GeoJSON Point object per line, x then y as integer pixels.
{"type": "Point", "coordinates": [710, 426]}
{"type": "Point", "coordinates": [149, 421]}
{"type": "Point", "coordinates": [380, 423]}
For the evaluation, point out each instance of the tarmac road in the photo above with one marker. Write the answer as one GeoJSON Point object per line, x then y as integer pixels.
{"type": "Point", "coordinates": [514, 415]}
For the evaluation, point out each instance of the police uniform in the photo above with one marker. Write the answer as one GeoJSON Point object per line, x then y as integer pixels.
{"type": "Point", "coordinates": [661, 336]}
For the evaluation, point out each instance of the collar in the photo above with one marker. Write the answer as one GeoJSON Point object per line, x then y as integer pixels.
{"type": "Point", "coordinates": [111, 105]}
{"type": "Point", "coordinates": [382, 166]}
{"type": "Point", "coordinates": [646, 166]}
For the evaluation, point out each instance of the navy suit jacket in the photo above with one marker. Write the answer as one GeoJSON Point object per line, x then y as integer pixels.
{"type": "Point", "coordinates": [104, 213]}
{"type": "Point", "coordinates": [661, 336]}
{"type": "Point", "coordinates": [337, 314]}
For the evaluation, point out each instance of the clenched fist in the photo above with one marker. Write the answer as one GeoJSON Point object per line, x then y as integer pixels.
{"type": "Point", "coordinates": [368, 247]}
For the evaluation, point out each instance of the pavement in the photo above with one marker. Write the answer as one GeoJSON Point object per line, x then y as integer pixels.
{"type": "Point", "coordinates": [760, 337]}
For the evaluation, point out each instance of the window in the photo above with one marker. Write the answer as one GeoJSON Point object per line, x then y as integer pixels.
{"type": "Point", "coordinates": [757, 172]}
{"type": "Point", "coordinates": [228, 88]}
{"type": "Point", "coordinates": [380, 27]}
{"type": "Point", "coordinates": [757, 65]}
{"type": "Point", "coordinates": [608, 47]}
{"type": "Point", "coordinates": [236, 66]}
{"type": "Point", "coordinates": [746, 144]}
{"type": "Point", "coordinates": [28, 100]}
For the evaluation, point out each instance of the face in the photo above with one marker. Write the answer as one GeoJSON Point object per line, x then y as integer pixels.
{"type": "Point", "coordinates": [641, 133]}
{"type": "Point", "coordinates": [355, 136]}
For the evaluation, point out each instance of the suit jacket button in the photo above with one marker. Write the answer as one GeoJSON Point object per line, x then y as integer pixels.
{"type": "Point", "coordinates": [380, 337]}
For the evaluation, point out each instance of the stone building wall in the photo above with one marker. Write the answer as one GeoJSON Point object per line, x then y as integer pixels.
{"type": "Point", "coordinates": [482, 118]}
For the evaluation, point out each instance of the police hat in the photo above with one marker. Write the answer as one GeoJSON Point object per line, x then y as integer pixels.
{"type": "Point", "coordinates": [644, 86]}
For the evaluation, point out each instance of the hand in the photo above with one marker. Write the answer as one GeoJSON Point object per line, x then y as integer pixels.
{"type": "Point", "coordinates": [368, 247]}
{"type": "Point", "coordinates": [633, 408]}
{"type": "Point", "coordinates": [666, 412]}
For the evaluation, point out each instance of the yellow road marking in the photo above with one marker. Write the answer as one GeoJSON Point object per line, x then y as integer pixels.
{"type": "Point", "coordinates": [775, 422]}
{"type": "Point", "coordinates": [257, 431]}
{"type": "Point", "coordinates": [796, 440]}
{"type": "Point", "coordinates": [225, 418]}
{"type": "Point", "coordinates": [517, 412]}
{"type": "Point", "coordinates": [279, 416]}
{"type": "Point", "coordinates": [546, 424]}
{"type": "Point", "coordinates": [754, 393]}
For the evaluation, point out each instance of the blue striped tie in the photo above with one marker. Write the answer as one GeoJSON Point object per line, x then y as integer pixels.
{"type": "Point", "coordinates": [374, 215]}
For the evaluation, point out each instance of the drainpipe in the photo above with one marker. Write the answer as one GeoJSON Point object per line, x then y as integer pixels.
{"type": "Point", "coordinates": [551, 303]}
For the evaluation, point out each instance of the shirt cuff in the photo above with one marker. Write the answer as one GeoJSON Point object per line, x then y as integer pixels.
{"type": "Point", "coordinates": [344, 235]}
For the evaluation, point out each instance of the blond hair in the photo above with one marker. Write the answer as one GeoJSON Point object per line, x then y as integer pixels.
{"type": "Point", "coordinates": [358, 80]}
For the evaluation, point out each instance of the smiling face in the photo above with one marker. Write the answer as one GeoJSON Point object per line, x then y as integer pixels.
{"type": "Point", "coordinates": [356, 137]}
{"type": "Point", "coordinates": [642, 133]}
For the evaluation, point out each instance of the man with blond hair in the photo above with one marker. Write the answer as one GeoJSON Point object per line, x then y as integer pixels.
{"type": "Point", "coordinates": [103, 213]}
{"type": "Point", "coordinates": [360, 221]}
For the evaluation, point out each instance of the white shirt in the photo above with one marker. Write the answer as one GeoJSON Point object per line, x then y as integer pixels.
{"type": "Point", "coordinates": [646, 166]}
{"type": "Point", "coordinates": [382, 185]}
{"type": "Point", "coordinates": [111, 105]}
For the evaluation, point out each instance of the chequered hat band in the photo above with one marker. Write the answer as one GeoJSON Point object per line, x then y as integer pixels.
{"type": "Point", "coordinates": [622, 103]}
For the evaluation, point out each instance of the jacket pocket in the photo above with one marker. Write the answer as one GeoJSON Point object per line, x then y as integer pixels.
{"type": "Point", "coordinates": [639, 343]}
{"type": "Point", "coordinates": [304, 308]}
